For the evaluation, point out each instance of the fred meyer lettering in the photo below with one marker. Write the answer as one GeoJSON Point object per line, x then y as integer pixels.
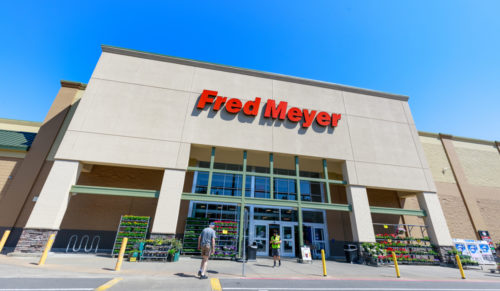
{"type": "Point", "coordinates": [280, 111]}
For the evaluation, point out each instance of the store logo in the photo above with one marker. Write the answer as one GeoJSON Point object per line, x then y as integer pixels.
{"type": "Point", "coordinates": [280, 111]}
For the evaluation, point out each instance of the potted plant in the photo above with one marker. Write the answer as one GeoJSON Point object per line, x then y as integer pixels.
{"type": "Point", "coordinates": [175, 250]}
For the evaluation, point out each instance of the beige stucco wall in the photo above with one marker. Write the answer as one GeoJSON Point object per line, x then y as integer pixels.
{"type": "Point", "coordinates": [8, 169]}
{"type": "Point", "coordinates": [437, 159]}
{"type": "Point", "coordinates": [141, 112]}
{"type": "Point", "coordinates": [480, 162]}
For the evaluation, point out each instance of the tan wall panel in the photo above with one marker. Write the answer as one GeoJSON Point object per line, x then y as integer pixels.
{"type": "Point", "coordinates": [457, 218]}
{"type": "Point", "coordinates": [100, 212]}
{"type": "Point", "coordinates": [35, 191]}
{"type": "Point", "coordinates": [437, 159]}
{"type": "Point", "coordinates": [411, 202]}
{"type": "Point", "coordinates": [183, 215]}
{"type": "Point", "coordinates": [481, 165]}
{"type": "Point", "coordinates": [490, 210]}
{"type": "Point", "coordinates": [8, 168]}
{"type": "Point", "coordinates": [120, 177]}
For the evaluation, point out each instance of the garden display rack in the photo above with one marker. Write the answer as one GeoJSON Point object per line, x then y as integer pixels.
{"type": "Point", "coordinates": [132, 227]}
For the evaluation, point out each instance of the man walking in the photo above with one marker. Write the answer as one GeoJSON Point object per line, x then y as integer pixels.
{"type": "Point", "coordinates": [206, 243]}
{"type": "Point", "coordinates": [276, 246]}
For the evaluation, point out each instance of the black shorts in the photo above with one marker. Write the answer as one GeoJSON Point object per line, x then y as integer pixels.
{"type": "Point", "coordinates": [275, 252]}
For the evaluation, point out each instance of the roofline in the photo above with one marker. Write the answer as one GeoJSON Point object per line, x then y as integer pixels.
{"type": "Point", "coordinates": [20, 122]}
{"type": "Point", "coordinates": [458, 138]}
{"type": "Point", "coordinates": [71, 84]}
{"type": "Point", "coordinates": [254, 73]}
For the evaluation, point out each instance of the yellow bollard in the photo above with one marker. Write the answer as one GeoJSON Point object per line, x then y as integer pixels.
{"type": "Point", "coordinates": [120, 255]}
{"type": "Point", "coordinates": [396, 264]}
{"type": "Point", "coordinates": [459, 263]}
{"type": "Point", "coordinates": [46, 251]}
{"type": "Point", "coordinates": [4, 239]}
{"type": "Point", "coordinates": [323, 259]}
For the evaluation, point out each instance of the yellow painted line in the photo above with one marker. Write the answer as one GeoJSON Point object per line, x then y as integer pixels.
{"type": "Point", "coordinates": [108, 284]}
{"type": "Point", "coordinates": [215, 283]}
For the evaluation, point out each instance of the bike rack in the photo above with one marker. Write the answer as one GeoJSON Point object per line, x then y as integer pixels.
{"type": "Point", "coordinates": [74, 239]}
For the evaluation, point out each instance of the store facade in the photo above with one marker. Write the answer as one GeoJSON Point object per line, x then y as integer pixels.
{"type": "Point", "coordinates": [174, 139]}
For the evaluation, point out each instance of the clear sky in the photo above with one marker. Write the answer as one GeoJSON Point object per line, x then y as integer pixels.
{"type": "Point", "coordinates": [445, 55]}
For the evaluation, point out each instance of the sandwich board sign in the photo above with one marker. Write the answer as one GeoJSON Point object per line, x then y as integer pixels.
{"type": "Point", "coordinates": [306, 254]}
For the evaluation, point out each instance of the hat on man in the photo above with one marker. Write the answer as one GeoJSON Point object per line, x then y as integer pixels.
{"type": "Point", "coordinates": [212, 224]}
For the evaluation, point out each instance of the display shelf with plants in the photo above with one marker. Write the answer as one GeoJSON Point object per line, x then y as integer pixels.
{"type": "Point", "coordinates": [226, 243]}
{"type": "Point", "coordinates": [408, 250]}
{"type": "Point", "coordinates": [194, 226]}
{"type": "Point", "coordinates": [134, 228]}
{"type": "Point", "coordinates": [161, 250]}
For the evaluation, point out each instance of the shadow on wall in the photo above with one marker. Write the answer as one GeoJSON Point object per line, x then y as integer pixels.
{"type": "Point", "coordinates": [263, 121]}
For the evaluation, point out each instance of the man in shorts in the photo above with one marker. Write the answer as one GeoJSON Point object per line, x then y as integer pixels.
{"type": "Point", "coordinates": [276, 246]}
{"type": "Point", "coordinates": [206, 243]}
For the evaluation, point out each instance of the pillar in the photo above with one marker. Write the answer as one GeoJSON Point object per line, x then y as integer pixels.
{"type": "Point", "coordinates": [50, 206]}
{"type": "Point", "coordinates": [357, 197]}
{"type": "Point", "coordinates": [434, 219]}
{"type": "Point", "coordinates": [167, 209]}
{"type": "Point", "coordinates": [361, 218]}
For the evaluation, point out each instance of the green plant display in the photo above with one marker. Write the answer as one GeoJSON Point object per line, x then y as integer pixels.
{"type": "Point", "coordinates": [132, 227]}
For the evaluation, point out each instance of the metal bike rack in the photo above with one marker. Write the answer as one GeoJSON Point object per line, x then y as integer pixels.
{"type": "Point", "coordinates": [74, 240]}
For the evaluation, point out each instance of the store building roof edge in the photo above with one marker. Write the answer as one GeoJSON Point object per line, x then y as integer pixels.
{"type": "Point", "coordinates": [72, 84]}
{"type": "Point", "coordinates": [457, 138]}
{"type": "Point", "coordinates": [255, 73]}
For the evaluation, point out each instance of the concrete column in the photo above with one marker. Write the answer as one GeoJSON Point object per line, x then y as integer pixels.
{"type": "Point", "coordinates": [434, 219]}
{"type": "Point", "coordinates": [52, 202]}
{"type": "Point", "coordinates": [167, 210]}
{"type": "Point", "coordinates": [361, 218]}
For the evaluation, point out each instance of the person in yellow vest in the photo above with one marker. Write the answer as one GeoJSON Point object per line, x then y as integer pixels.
{"type": "Point", "coordinates": [276, 246]}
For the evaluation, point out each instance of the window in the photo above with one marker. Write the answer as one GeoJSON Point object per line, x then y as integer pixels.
{"type": "Point", "coordinates": [201, 182]}
{"type": "Point", "coordinates": [226, 184]}
{"type": "Point", "coordinates": [312, 191]}
{"type": "Point", "coordinates": [312, 216]}
{"type": "Point", "coordinates": [266, 214]}
{"type": "Point", "coordinates": [285, 189]}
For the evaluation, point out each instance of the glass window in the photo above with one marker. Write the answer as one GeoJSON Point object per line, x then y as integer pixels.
{"type": "Point", "coordinates": [200, 210]}
{"type": "Point", "coordinates": [312, 216]}
{"type": "Point", "coordinates": [262, 187]}
{"type": "Point", "coordinates": [285, 189]}
{"type": "Point", "coordinates": [201, 182]}
{"type": "Point", "coordinates": [226, 184]}
{"type": "Point", "coordinates": [288, 215]}
{"type": "Point", "coordinates": [312, 191]}
{"type": "Point", "coordinates": [266, 214]}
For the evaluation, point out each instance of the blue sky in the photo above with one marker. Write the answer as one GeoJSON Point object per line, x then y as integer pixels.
{"type": "Point", "coordinates": [445, 55]}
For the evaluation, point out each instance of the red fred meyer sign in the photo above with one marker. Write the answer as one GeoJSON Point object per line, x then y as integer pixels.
{"type": "Point", "coordinates": [251, 108]}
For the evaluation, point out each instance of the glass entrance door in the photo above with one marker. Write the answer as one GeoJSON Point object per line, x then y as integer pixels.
{"type": "Point", "coordinates": [318, 241]}
{"type": "Point", "coordinates": [261, 239]}
{"type": "Point", "coordinates": [287, 241]}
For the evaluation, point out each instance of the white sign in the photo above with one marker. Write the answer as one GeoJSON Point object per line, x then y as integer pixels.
{"type": "Point", "coordinates": [474, 251]}
{"type": "Point", "coordinates": [461, 247]}
{"type": "Point", "coordinates": [306, 253]}
{"type": "Point", "coordinates": [486, 253]}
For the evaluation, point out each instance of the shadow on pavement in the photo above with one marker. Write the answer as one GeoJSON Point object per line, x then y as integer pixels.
{"type": "Point", "coordinates": [108, 269]}
{"type": "Point", "coordinates": [185, 275]}
{"type": "Point", "coordinates": [260, 265]}
{"type": "Point", "coordinates": [212, 272]}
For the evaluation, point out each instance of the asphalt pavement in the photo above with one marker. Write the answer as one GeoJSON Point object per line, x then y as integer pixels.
{"type": "Point", "coordinates": [352, 285]}
{"type": "Point", "coordinates": [59, 284]}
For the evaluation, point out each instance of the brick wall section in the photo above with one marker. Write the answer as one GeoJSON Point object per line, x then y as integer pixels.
{"type": "Point", "coordinates": [102, 212]}
{"type": "Point", "coordinates": [33, 240]}
{"type": "Point", "coordinates": [8, 168]}
{"type": "Point", "coordinates": [121, 177]}
{"type": "Point", "coordinates": [455, 212]}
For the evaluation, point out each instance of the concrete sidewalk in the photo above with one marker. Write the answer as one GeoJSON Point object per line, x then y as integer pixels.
{"type": "Point", "coordinates": [82, 265]}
